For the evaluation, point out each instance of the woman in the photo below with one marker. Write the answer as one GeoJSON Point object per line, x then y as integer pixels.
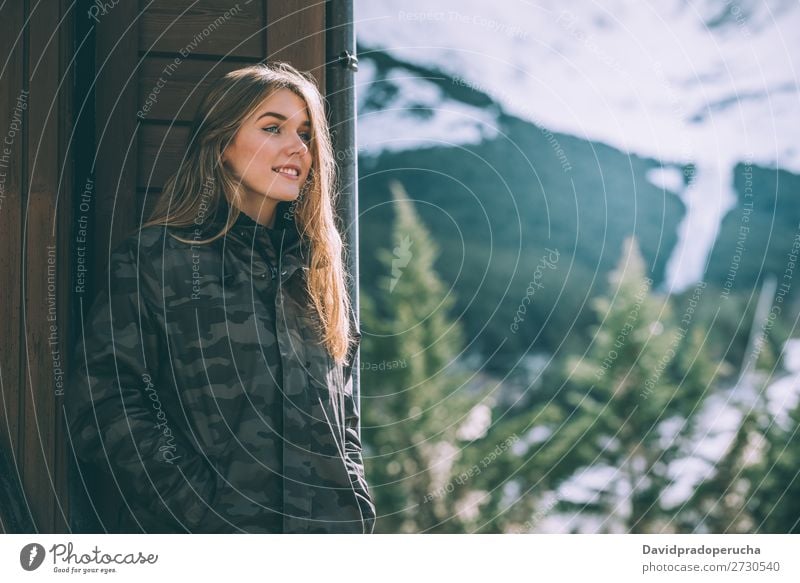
{"type": "Point", "coordinates": [215, 374]}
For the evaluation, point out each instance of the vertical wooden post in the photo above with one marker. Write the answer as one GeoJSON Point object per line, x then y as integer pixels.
{"type": "Point", "coordinates": [45, 237]}
{"type": "Point", "coordinates": [117, 64]}
{"type": "Point", "coordinates": [12, 85]}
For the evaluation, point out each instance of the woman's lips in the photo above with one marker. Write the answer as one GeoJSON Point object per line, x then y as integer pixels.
{"type": "Point", "coordinates": [287, 176]}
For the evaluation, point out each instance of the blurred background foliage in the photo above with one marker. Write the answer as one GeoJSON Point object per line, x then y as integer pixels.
{"type": "Point", "coordinates": [528, 363]}
{"type": "Point", "coordinates": [600, 440]}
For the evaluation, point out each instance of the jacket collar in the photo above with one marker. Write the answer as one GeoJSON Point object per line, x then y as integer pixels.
{"type": "Point", "coordinates": [284, 232]}
{"type": "Point", "coordinates": [283, 239]}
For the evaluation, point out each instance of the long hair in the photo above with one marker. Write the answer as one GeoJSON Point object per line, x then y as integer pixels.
{"type": "Point", "coordinates": [202, 186]}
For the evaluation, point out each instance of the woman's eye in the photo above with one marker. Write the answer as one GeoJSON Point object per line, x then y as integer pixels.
{"type": "Point", "coordinates": [305, 136]}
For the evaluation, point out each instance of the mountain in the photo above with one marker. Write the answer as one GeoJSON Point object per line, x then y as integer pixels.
{"type": "Point", "coordinates": [569, 126]}
{"type": "Point", "coordinates": [760, 236]}
{"type": "Point", "coordinates": [498, 206]}
{"type": "Point", "coordinates": [700, 84]}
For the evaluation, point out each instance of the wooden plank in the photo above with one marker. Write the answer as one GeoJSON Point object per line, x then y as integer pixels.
{"type": "Point", "coordinates": [171, 89]}
{"type": "Point", "coordinates": [44, 324]}
{"type": "Point", "coordinates": [116, 105]}
{"type": "Point", "coordinates": [229, 28]}
{"type": "Point", "coordinates": [146, 199]}
{"type": "Point", "coordinates": [66, 246]}
{"type": "Point", "coordinates": [161, 152]}
{"type": "Point", "coordinates": [12, 86]}
{"type": "Point", "coordinates": [296, 34]}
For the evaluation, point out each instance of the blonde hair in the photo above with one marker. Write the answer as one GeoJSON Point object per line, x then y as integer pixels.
{"type": "Point", "coordinates": [229, 101]}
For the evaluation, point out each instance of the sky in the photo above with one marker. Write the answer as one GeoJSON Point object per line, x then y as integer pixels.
{"type": "Point", "coordinates": [713, 83]}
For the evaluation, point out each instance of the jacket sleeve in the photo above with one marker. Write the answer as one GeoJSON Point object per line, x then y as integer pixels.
{"type": "Point", "coordinates": [115, 409]}
{"type": "Point", "coordinates": [353, 446]}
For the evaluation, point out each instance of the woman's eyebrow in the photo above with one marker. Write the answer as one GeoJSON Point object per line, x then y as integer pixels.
{"type": "Point", "coordinates": [280, 116]}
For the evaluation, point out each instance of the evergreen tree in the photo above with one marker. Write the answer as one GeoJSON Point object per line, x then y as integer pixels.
{"type": "Point", "coordinates": [774, 497]}
{"type": "Point", "coordinates": [746, 490]}
{"type": "Point", "coordinates": [413, 401]}
{"type": "Point", "coordinates": [634, 400]}
{"type": "Point", "coordinates": [719, 503]}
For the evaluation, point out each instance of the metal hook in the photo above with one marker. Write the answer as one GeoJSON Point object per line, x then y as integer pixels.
{"type": "Point", "coordinates": [348, 60]}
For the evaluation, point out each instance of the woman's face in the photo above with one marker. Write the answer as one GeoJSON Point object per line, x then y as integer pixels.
{"type": "Point", "coordinates": [270, 156]}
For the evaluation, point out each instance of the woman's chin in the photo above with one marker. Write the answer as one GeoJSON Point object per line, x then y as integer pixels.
{"type": "Point", "coordinates": [284, 195]}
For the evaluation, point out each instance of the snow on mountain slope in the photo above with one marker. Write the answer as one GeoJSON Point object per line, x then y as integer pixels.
{"type": "Point", "coordinates": [420, 114]}
{"type": "Point", "coordinates": [713, 83]}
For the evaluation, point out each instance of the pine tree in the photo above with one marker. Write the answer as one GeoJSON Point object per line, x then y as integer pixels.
{"type": "Point", "coordinates": [413, 401]}
{"type": "Point", "coordinates": [774, 497]}
{"type": "Point", "coordinates": [740, 494]}
{"type": "Point", "coordinates": [635, 398]}
{"type": "Point", "coordinates": [719, 503]}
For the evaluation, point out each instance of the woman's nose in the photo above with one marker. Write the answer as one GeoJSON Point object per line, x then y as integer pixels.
{"type": "Point", "coordinates": [298, 145]}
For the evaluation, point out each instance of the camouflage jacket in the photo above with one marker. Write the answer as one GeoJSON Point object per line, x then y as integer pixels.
{"type": "Point", "coordinates": [203, 388]}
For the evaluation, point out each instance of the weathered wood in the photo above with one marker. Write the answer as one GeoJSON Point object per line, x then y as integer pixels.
{"type": "Point", "coordinates": [11, 168]}
{"type": "Point", "coordinates": [45, 307]}
{"type": "Point", "coordinates": [146, 200]}
{"type": "Point", "coordinates": [227, 28]}
{"type": "Point", "coordinates": [117, 51]}
{"type": "Point", "coordinates": [296, 33]}
{"type": "Point", "coordinates": [171, 89]}
{"type": "Point", "coordinates": [66, 244]}
{"type": "Point", "coordinates": [161, 152]}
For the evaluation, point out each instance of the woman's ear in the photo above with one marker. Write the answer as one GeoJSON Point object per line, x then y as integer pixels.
{"type": "Point", "coordinates": [224, 149]}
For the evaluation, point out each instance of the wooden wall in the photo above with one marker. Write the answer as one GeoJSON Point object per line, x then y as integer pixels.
{"type": "Point", "coordinates": [186, 45]}
{"type": "Point", "coordinates": [36, 112]}
{"type": "Point", "coordinates": [127, 158]}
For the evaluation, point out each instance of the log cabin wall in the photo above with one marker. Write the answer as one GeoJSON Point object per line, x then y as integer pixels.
{"type": "Point", "coordinates": [36, 197]}
{"type": "Point", "coordinates": [75, 181]}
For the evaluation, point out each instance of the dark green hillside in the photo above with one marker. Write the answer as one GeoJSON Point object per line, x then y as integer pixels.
{"type": "Point", "coordinates": [494, 208]}
{"type": "Point", "coordinates": [757, 235]}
